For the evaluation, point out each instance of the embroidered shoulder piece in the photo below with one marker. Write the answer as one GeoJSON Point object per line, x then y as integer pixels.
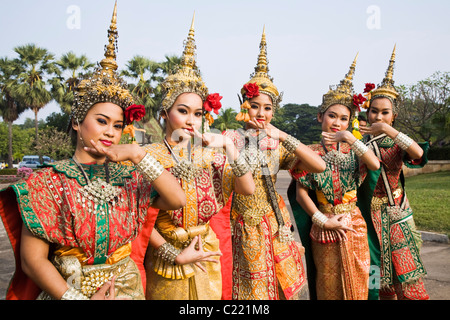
{"type": "Point", "coordinates": [118, 172]}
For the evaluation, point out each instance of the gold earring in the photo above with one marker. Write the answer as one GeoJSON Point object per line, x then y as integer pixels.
{"type": "Point", "coordinates": [79, 131]}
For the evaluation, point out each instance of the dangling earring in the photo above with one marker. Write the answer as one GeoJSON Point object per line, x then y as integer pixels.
{"type": "Point", "coordinates": [81, 138]}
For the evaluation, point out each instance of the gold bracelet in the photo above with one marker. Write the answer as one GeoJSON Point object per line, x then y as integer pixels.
{"type": "Point", "coordinates": [73, 294]}
{"type": "Point", "coordinates": [150, 168]}
{"type": "Point", "coordinates": [167, 252]}
{"type": "Point", "coordinates": [403, 141]}
{"type": "Point", "coordinates": [319, 219]}
{"type": "Point", "coordinates": [359, 148]}
{"type": "Point", "coordinates": [240, 166]}
{"type": "Point", "coordinates": [290, 143]}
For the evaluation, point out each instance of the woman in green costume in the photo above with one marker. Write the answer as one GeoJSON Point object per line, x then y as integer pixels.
{"type": "Point", "coordinates": [396, 266]}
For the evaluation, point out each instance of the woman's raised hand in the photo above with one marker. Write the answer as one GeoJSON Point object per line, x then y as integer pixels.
{"type": "Point", "coordinates": [272, 131]}
{"type": "Point", "coordinates": [117, 152]}
{"type": "Point", "coordinates": [339, 136]}
{"type": "Point", "coordinates": [375, 129]}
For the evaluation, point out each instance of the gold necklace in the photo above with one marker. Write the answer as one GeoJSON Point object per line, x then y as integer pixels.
{"type": "Point", "coordinates": [98, 191]}
{"type": "Point", "coordinates": [184, 168]}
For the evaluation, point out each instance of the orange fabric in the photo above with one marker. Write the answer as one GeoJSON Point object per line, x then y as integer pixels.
{"type": "Point", "coordinates": [220, 223]}
{"type": "Point", "coordinates": [140, 244]}
{"type": "Point", "coordinates": [21, 286]}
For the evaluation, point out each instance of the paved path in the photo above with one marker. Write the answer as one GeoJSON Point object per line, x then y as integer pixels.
{"type": "Point", "coordinates": [436, 256]}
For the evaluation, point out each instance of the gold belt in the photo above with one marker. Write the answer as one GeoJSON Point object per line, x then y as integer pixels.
{"type": "Point", "coordinates": [377, 202]}
{"type": "Point", "coordinates": [339, 208]}
{"type": "Point", "coordinates": [253, 216]}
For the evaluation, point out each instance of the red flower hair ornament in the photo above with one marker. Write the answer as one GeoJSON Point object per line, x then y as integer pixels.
{"type": "Point", "coordinates": [358, 100]}
{"type": "Point", "coordinates": [134, 112]}
{"type": "Point", "coordinates": [251, 90]}
{"type": "Point", "coordinates": [212, 103]}
{"type": "Point", "coordinates": [369, 87]}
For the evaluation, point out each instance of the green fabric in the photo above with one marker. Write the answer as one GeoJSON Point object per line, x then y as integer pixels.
{"type": "Point", "coordinates": [364, 195]}
{"type": "Point", "coordinates": [28, 215]}
{"type": "Point", "coordinates": [101, 235]}
{"type": "Point", "coordinates": [304, 224]}
{"type": "Point", "coordinates": [425, 147]}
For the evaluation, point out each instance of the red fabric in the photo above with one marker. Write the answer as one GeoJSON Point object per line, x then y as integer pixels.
{"type": "Point", "coordinates": [140, 244]}
{"type": "Point", "coordinates": [21, 286]}
{"type": "Point", "coordinates": [220, 223]}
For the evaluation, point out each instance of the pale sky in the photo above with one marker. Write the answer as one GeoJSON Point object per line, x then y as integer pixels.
{"type": "Point", "coordinates": [311, 44]}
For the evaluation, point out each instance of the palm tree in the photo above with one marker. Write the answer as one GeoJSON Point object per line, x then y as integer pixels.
{"type": "Point", "coordinates": [70, 69]}
{"type": "Point", "coordinates": [148, 76]}
{"type": "Point", "coordinates": [226, 120]}
{"type": "Point", "coordinates": [171, 64]}
{"type": "Point", "coordinates": [145, 71]}
{"type": "Point", "coordinates": [167, 67]}
{"type": "Point", "coordinates": [10, 107]}
{"type": "Point", "coordinates": [37, 64]}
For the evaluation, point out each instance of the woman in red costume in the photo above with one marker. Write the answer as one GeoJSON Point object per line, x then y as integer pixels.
{"type": "Point", "coordinates": [72, 223]}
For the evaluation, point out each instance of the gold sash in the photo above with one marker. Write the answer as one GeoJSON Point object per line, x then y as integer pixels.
{"type": "Point", "coordinates": [71, 264]}
{"type": "Point", "coordinates": [183, 282]}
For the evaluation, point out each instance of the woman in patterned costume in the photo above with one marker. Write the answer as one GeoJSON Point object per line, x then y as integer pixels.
{"type": "Point", "coordinates": [202, 170]}
{"type": "Point", "coordinates": [330, 224]}
{"type": "Point", "coordinates": [72, 223]}
{"type": "Point", "coordinates": [393, 238]}
{"type": "Point", "coordinates": [267, 262]}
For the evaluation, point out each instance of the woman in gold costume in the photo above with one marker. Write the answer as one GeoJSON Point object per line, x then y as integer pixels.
{"type": "Point", "coordinates": [267, 262]}
{"type": "Point", "coordinates": [337, 251]}
{"type": "Point", "coordinates": [202, 169]}
{"type": "Point", "coordinates": [71, 224]}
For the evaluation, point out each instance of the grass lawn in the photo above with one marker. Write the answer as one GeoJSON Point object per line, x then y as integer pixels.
{"type": "Point", "coordinates": [429, 196]}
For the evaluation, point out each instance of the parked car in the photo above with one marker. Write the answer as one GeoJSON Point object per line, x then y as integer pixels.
{"type": "Point", "coordinates": [29, 164]}
{"type": "Point", "coordinates": [32, 161]}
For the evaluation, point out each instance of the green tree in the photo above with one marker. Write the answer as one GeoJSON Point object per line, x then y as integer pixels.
{"type": "Point", "coordinates": [59, 121]}
{"type": "Point", "coordinates": [10, 107]}
{"type": "Point", "coordinates": [55, 144]}
{"type": "Point", "coordinates": [70, 69]}
{"type": "Point", "coordinates": [226, 120]}
{"type": "Point", "coordinates": [168, 66]}
{"type": "Point", "coordinates": [300, 121]}
{"type": "Point", "coordinates": [22, 143]}
{"type": "Point", "coordinates": [147, 77]}
{"type": "Point", "coordinates": [37, 65]}
{"type": "Point", "coordinates": [144, 71]}
{"type": "Point", "coordinates": [425, 109]}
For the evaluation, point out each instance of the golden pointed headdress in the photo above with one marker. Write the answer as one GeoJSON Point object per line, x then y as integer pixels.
{"type": "Point", "coordinates": [387, 89]}
{"type": "Point", "coordinates": [261, 75]}
{"type": "Point", "coordinates": [187, 78]}
{"type": "Point", "coordinates": [104, 85]}
{"type": "Point", "coordinates": [342, 93]}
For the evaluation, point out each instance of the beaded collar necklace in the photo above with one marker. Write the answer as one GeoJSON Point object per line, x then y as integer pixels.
{"type": "Point", "coordinates": [184, 168]}
{"type": "Point", "coordinates": [99, 191]}
{"type": "Point", "coordinates": [336, 157]}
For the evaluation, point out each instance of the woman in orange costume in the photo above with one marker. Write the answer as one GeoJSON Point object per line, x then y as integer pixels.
{"type": "Point", "coordinates": [207, 176]}
{"type": "Point", "coordinates": [337, 251]}
{"type": "Point", "coordinates": [80, 216]}
{"type": "Point", "coordinates": [267, 262]}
